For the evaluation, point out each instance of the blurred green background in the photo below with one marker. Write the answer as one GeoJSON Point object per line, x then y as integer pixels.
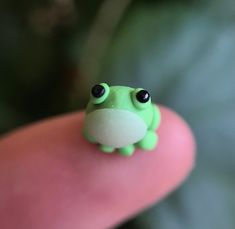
{"type": "Point", "coordinates": [183, 52]}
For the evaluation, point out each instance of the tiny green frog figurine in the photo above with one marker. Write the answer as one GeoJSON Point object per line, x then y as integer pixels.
{"type": "Point", "coordinates": [121, 118]}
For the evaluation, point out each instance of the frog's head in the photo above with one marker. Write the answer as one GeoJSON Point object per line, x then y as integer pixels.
{"type": "Point", "coordinates": [118, 116]}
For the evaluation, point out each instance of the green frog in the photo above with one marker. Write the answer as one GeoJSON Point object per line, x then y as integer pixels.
{"type": "Point", "coordinates": [121, 118]}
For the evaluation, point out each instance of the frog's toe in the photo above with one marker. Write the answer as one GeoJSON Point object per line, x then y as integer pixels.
{"type": "Point", "coordinates": [107, 149]}
{"type": "Point", "coordinates": [149, 142]}
{"type": "Point", "coordinates": [127, 150]}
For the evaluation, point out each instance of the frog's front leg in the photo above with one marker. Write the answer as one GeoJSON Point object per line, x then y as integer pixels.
{"type": "Point", "coordinates": [88, 136]}
{"type": "Point", "coordinates": [149, 141]}
{"type": "Point", "coordinates": [127, 150]}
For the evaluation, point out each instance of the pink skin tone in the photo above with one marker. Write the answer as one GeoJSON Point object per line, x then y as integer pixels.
{"type": "Point", "coordinates": [51, 177]}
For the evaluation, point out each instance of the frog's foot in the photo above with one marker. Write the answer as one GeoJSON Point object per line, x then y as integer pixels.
{"type": "Point", "coordinates": [88, 137]}
{"type": "Point", "coordinates": [127, 150]}
{"type": "Point", "coordinates": [107, 149]}
{"type": "Point", "coordinates": [149, 142]}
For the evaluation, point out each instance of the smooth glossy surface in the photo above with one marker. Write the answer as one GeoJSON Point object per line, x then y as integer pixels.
{"type": "Point", "coordinates": [114, 127]}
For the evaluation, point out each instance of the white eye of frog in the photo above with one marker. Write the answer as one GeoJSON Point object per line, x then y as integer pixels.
{"type": "Point", "coordinates": [99, 93]}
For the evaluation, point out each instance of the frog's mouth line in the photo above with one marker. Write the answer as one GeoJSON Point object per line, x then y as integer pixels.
{"type": "Point", "coordinates": [115, 127]}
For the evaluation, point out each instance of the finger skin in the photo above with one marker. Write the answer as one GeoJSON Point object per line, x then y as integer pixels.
{"type": "Point", "coordinates": [51, 177]}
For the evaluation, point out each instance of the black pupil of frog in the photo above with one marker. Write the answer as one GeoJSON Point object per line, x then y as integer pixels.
{"type": "Point", "coordinates": [97, 91]}
{"type": "Point", "coordinates": [143, 96]}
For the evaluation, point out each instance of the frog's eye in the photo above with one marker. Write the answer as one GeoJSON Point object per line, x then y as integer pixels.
{"type": "Point", "coordinates": [141, 98]}
{"type": "Point", "coordinates": [99, 93]}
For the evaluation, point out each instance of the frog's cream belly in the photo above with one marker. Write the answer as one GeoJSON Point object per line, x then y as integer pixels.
{"type": "Point", "coordinates": [114, 127]}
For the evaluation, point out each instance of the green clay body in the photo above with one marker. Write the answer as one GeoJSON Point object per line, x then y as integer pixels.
{"type": "Point", "coordinates": [118, 121]}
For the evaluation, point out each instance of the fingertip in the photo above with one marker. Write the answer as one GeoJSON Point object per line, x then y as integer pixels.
{"type": "Point", "coordinates": [65, 179]}
{"type": "Point", "coordinates": [147, 176]}
{"type": "Point", "coordinates": [177, 145]}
